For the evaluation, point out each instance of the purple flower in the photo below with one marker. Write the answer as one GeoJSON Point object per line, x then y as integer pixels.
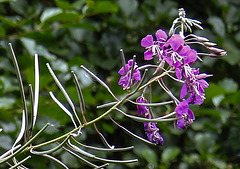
{"type": "Point", "coordinates": [142, 110]}
{"type": "Point", "coordinates": [127, 80]}
{"type": "Point", "coordinates": [194, 85]}
{"type": "Point", "coordinates": [183, 110]}
{"type": "Point", "coordinates": [152, 133]}
{"type": "Point", "coordinates": [154, 47]}
{"type": "Point", "coordinates": [177, 54]}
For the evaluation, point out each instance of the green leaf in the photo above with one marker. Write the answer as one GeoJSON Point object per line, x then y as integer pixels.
{"type": "Point", "coordinates": [232, 99]}
{"type": "Point", "coordinates": [218, 25]}
{"type": "Point", "coordinates": [150, 156]}
{"type": "Point", "coordinates": [64, 4]}
{"type": "Point", "coordinates": [229, 85]}
{"type": "Point", "coordinates": [33, 48]}
{"type": "Point", "coordinates": [69, 160]}
{"type": "Point", "coordinates": [80, 25]}
{"type": "Point", "coordinates": [5, 142]}
{"type": "Point", "coordinates": [1, 1]}
{"type": "Point", "coordinates": [128, 6]}
{"type": "Point", "coordinates": [169, 154]}
{"type": "Point", "coordinates": [49, 13]}
{"type": "Point", "coordinates": [6, 102]}
{"type": "Point", "coordinates": [63, 17]}
{"type": "Point", "coordinates": [214, 90]}
{"type": "Point", "coordinates": [217, 100]}
{"type": "Point", "coordinates": [218, 163]}
{"type": "Point", "coordinates": [204, 143]}
{"type": "Point", "coordinates": [104, 6]}
{"type": "Point", "coordinates": [2, 31]}
{"type": "Point", "coordinates": [1, 87]}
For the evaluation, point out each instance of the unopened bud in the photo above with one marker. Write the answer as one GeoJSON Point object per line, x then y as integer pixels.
{"type": "Point", "coordinates": [218, 54]}
{"type": "Point", "coordinates": [215, 50]}
{"type": "Point", "coordinates": [203, 75]}
{"type": "Point", "coordinates": [209, 44]}
{"type": "Point", "coordinates": [202, 39]}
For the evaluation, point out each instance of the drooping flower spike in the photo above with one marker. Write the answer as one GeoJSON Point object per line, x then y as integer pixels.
{"type": "Point", "coordinates": [150, 128]}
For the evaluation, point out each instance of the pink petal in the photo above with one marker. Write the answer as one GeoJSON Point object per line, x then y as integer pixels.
{"type": "Point", "coordinates": [183, 91]}
{"type": "Point", "coordinates": [161, 35]}
{"type": "Point", "coordinates": [148, 55]}
{"type": "Point", "coordinates": [147, 41]}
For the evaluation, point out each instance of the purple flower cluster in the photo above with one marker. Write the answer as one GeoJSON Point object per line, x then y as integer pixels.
{"type": "Point", "coordinates": [129, 78]}
{"type": "Point", "coordinates": [179, 56]}
{"type": "Point", "coordinates": [183, 110]}
{"type": "Point", "coordinates": [151, 129]}
{"type": "Point", "coordinates": [173, 50]}
{"type": "Point", "coordinates": [194, 84]}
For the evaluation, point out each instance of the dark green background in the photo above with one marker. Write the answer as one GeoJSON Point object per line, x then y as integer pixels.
{"type": "Point", "coordinates": [70, 33]}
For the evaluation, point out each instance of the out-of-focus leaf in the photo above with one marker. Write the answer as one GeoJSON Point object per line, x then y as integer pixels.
{"type": "Point", "coordinates": [42, 120]}
{"type": "Point", "coordinates": [105, 6]}
{"type": "Point", "coordinates": [8, 127]}
{"type": "Point", "coordinates": [169, 154]}
{"type": "Point", "coordinates": [33, 48]}
{"type": "Point", "coordinates": [218, 25]}
{"type": "Point", "coordinates": [62, 16]}
{"type": "Point", "coordinates": [80, 25]}
{"type": "Point", "coordinates": [48, 13]}
{"type": "Point", "coordinates": [60, 65]}
{"type": "Point", "coordinates": [233, 98]}
{"type": "Point", "coordinates": [128, 6]}
{"type": "Point", "coordinates": [5, 142]}
{"type": "Point", "coordinates": [217, 100]}
{"type": "Point", "coordinates": [229, 85]}
{"type": "Point", "coordinates": [1, 1]}
{"type": "Point", "coordinates": [1, 87]}
{"type": "Point", "coordinates": [204, 143]}
{"type": "Point", "coordinates": [2, 31]}
{"type": "Point", "coordinates": [107, 127]}
{"type": "Point", "coordinates": [233, 52]}
{"type": "Point", "coordinates": [225, 114]}
{"type": "Point", "coordinates": [150, 156]}
{"type": "Point", "coordinates": [64, 4]}
{"type": "Point", "coordinates": [218, 163]}
{"type": "Point", "coordinates": [6, 102]}
{"type": "Point", "coordinates": [11, 21]}
{"type": "Point", "coordinates": [208, 112]}
{"type": "Point", "coordinates": [214, 90]}
{"type": "Point", "coordinates": [69, 160]}
{"type": "Point", "coordinates": [19, 6]}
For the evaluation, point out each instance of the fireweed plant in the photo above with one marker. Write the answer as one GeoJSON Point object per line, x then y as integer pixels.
{"type": "Point", "coordinates": [175, 60]}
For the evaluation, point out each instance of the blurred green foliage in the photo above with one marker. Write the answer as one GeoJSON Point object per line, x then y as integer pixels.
{"type": "Point", "coordinates": [70, 33]}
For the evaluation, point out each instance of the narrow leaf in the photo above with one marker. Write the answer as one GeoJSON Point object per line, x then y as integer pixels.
{"type": "Point", "coordinates": [19, 163]}
{"type": "Point", "coordinates": [104, 149]}
{"type": "Point", "coordinates": [63, 91]}
{"type": "Point", "coordinates": [132, 134]}
{"type": "Point", "coordinates": [56, 160]}
{"type": "Point", "coordinates": [81, 158]}
{"type": "Point", "coordinates": [141, 119]}
{"type": "Point", "coordinates": [23, 129]}
{"type": "Point", "coordinates": [63, 108]}
{"type": "Point", "coordinates": [19, 77]}
{"type": "Point", "coordinates": [51, 150]}
{"type": "Point", "coordinates": [80, 96]}
{"type": "Point", "coordinates": [103, 138]}
{"type": "Point", "coordinates": [99, 81]}
{"type": "Point", "coordinates": [36, 91]}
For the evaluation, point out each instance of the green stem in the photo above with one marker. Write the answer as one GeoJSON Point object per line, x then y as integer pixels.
{"type": "Point", "coordinates": [104, 114]}
{"type": "Point", "coordinates": [24, 146]}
